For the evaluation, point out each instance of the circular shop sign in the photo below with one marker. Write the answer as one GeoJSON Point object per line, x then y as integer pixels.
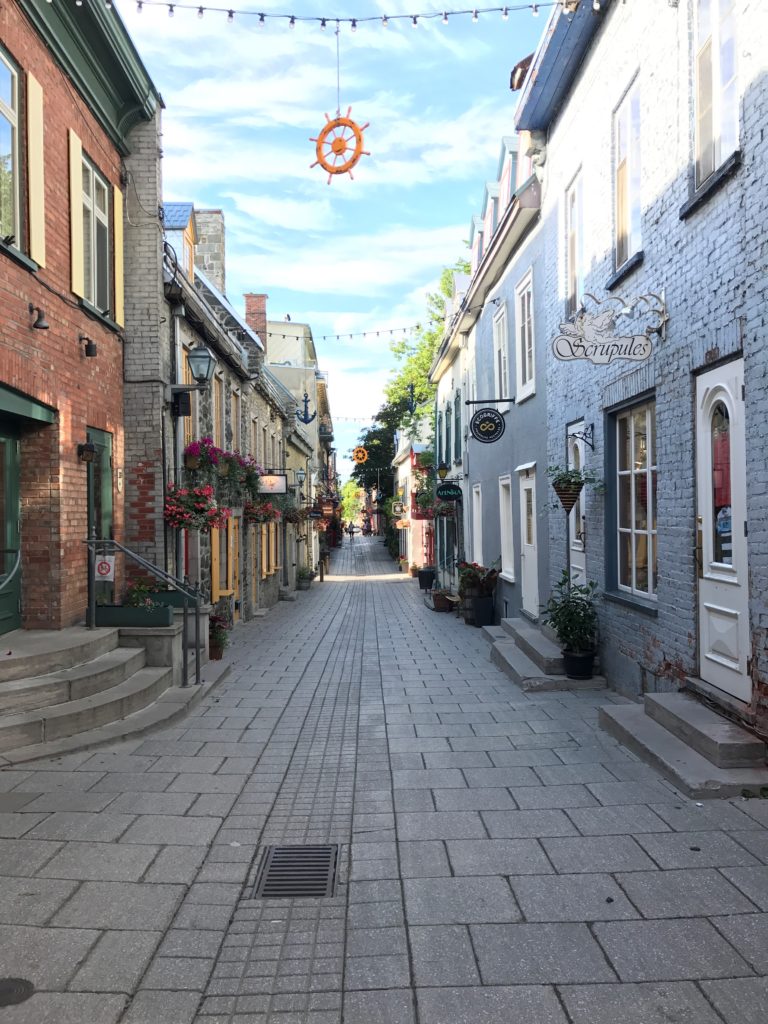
{"type": "Point", "coordinates": [487, 425]}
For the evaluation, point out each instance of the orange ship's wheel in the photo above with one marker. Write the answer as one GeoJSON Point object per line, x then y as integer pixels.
{"type": "Point", "coordinates": [339, 145]}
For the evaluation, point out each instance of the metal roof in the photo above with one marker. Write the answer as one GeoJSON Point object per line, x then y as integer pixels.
{"type": "Point", "coordinates": [176, 216]}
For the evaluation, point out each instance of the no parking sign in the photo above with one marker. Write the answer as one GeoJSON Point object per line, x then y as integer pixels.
{"type": "Point", "coordinates": [105, 568]}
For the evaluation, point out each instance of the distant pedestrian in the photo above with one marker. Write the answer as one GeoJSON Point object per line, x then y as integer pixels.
{"type": "Point", "coordinates": [351, 530]}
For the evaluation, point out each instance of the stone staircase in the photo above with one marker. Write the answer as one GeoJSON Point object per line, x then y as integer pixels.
{"type": "Point", "coordinates": [531, 658]}
{"type": "Point", "coordinates": [76, 688]}
{"type": "Point", "coordinates": [700, 751]}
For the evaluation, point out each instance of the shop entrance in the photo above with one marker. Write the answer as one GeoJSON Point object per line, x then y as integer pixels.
{"type": "Point", "coordinates": [724, 649]}
{"type": "Point", "coordinates": [10, 511]}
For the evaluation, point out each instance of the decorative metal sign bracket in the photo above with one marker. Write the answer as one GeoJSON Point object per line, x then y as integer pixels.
{"type": "Point", "coordinates": [587, 435]}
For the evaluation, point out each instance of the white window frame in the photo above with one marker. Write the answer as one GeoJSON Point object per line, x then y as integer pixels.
{"type": "Point", "coordinates": [525, 338]}
{"type": "Point", "coordinates": [574, 245]}
{"type": "Point", "coordinates": [11, 115]}
{"type": "Point", "coordinates": [635, 475]}
{"type": "Point", "coordinates": [501, 354]}
{"type": "Point", "coordinates": [94, 260]}
{"type": "Point", "coordinates": [627, 169]}
{"type": "Point", "coordinates": [507, 529]}
{"type": "Point", "coordinates": [710, 45]}
{"type": "Point", "coordinates": [477, 523]}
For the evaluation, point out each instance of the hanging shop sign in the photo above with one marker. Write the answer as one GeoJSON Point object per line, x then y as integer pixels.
{"type": "Point", "coordinates": [315, 513]}
{"type": "Point", "coordinates": [592, 337]}
{"type": "Point", "coordinates": [397, 508]}
{"type": "Point", "coordinates": [402, 524]}
{"type": "Point", "coordinates": [449, 492]}
{"type": "Point", "coordinates": [273, 483]}
{"type": "Point", "coordinates": [487, 425]}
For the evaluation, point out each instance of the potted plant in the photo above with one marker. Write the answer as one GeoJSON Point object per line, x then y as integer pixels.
{"type": "Point", "coordinates": [137, 610]}
{"type": "Point", "coordinates": [568, 484]}
{"type": "Point", "coordinates": [571, 612]}
{"type": "Point", "coordinates": [477, 584]}
{"type": "Point", "coordinates": [304, 578]}
{"type": "Point", "coordinates": [218, 636]}
{"type": "Point", "coordinates": [402, 564]}
{"type": "Point", "coordinates": [202, 454]}
{"type": "Point", "coordinates": [437, 599]}
{"type": "Point", "coordinates": [414, 569]}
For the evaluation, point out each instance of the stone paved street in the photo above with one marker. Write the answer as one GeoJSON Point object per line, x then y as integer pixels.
{"type": "Point", "coordinates": [502, 859]}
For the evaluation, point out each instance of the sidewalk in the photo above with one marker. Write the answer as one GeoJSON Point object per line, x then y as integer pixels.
{"type": "Point", "coordinates": [502, 859]}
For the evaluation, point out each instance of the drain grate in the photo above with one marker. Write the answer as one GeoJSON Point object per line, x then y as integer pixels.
{"type": "Point", "coordinates": [297, 871]}
{"type": "Point", "coordinates": [15, 990]}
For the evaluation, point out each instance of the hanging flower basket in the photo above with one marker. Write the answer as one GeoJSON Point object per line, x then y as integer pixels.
{"type": "Point", "coordinates": [202, 454]}
{"type": "Point", "coordinates": [568, 494]}
{"type": "Point", "coordinates": [260, 512]}
{"type": "Point", "coordinates": [194, 508]}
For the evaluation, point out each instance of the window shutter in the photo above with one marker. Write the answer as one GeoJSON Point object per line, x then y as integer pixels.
{"type": "Point", "coordinates": [215, 577]}
{"type": "Point", "coordinates": [76, 253]}
{"type": "Point", "coordinates": [117, 229]}
{"type": "Point", "coordinates": [36, 170]}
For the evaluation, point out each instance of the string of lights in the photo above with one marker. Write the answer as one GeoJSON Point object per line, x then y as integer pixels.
{"type": "Point", "coordinates": [293, 20]}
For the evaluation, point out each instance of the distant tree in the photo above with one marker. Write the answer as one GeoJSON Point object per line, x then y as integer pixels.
{"type": "Point", "coordinates": [351, 500]}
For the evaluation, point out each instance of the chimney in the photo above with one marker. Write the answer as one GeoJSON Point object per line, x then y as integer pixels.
{"type": "Point", "coordinates": [209, 251]}
{"type": "Point", "coordinates": [256, 315]}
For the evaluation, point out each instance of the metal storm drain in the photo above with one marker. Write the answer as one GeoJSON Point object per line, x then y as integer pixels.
{"type": "Point", "coordinates": [292, 872]}
{"type": "Point", "coordinates": [15, 990]}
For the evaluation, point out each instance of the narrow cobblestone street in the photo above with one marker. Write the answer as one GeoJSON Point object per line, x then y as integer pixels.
{"type": "Point", "coordinates": [502, 859]}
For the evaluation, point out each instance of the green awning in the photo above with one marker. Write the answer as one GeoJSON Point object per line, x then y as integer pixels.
{"type": "Point", "coordinates": [14, 404]}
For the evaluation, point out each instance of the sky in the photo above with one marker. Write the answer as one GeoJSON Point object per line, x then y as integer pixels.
{"type": "Point", "coordinates": [359, 254]}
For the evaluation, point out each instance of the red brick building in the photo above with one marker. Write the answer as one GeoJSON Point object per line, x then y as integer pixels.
{"type": "Point", "coordinates": [64, 130]}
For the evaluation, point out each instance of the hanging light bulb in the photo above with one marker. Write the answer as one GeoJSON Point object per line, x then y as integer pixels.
{"type": "Point", "coordinates": [354, 25]}
{"type": "Point", "coordinates": [139, 6]}
{"type": "Point", "coordinates": [535, 10]}
{"type": "Point", "coordinates": [505, 14]}
{"type": "Point", "coordinates": [261, 21]}
{"type": "Point", "coordinates": [415, 22]}
{"type": "Point", "coordinates": [292, 22]}
{"type": "Point", "coordinates": [200, 12]}
{"type": "Point", "coordinates": [78, 3]}
{"type": "Point", "coordinates": [385, 21]}
{"type": "Point", "coordinates": [474, 15]}
{"type": "Point", "coordinates": [170, 10]}
{"type": "Point", "coordinates": [230, 16]}
{"type": "Point", "coordinates": [596, 6]}
{"type": "Point", "coordinates": [445, 17]}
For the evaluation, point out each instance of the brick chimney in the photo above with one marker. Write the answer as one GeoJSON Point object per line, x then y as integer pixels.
{"type": "Point", "coordinates": [256, 314]}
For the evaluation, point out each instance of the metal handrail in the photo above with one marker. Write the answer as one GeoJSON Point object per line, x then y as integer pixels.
{"type": "Point", "coordinates": [16, 565]}
{"type": "Point", "coordinates": [189, 592]}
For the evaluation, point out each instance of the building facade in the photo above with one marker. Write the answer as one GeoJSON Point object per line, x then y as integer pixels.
{"type": "Point", "coordinates": [67, 127]}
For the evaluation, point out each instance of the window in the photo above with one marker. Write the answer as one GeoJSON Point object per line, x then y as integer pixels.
{"type": "Point", "coordinates": [9, 151]}
{"type": "Point", "coordinates": [716, 98]}
{"type": "Point", "coordinates": [507, 532]}
{"type": "Point", "coordinates": [188, 379]}
{"type": "Point", "coordinates": [636, 500]}
{"type": "Point", "coordinates": [477, 524]}
{"type": "Point", "coordinates": [457, 426]}
{"type": "Point", "coordinates": [500, 349]}
{"type": "Point", "coordinates": [96, 243]}
{"type": "Point", "coordinates": [448, 433]}
{"type": "Point", "coordinates": [627, 176]}
{"type": "Point", "coordinates": [574, 255]}
{"type": "Point", "coordinates": [253, 448]}
{"type": "Point", "coordinates": [217, 412]}
{"type": "Point", "coordinates": [264, 458]}
{"type": "Point", "coordinates": [526, 365]}
{"type": "Point", "coordinates": [234, 416]}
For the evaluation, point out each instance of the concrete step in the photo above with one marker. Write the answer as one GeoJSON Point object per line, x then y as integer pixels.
{"type": "Point", "coordinates": [172, 703]}
{"type": "Point", "coordinates": [77, 716]}
{"type": "Point", "coordinates": [685, 767]}
{"type": "Point", "coordinates": [722, 742]}
{"type": "Point", "coordinates": [493, 634]}
{"type": "Point", "coordinates": [35, 652]}
{"type": "Point", "coordinates": [74, 683]}
{"type": "Point", "coordinates": [529, 676]}
{"type": "Point", "coordinates": [538, 647]}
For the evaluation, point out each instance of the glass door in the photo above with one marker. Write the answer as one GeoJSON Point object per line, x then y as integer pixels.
{"type": "Point", "coordinates": [100, 500]}
{"type": "Point", "coordinates": [10, 564]}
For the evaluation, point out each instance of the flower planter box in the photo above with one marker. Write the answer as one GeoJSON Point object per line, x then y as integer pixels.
{"type": "Point", "coordinates": [173, 598]}
{"type": "Point", "coordinates": [124, 615]}
{"type": "Point", "coordinates": [303, 584]}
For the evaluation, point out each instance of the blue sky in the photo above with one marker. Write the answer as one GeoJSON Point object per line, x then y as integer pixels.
{"type": "Point", "coordinates": [357, 255]}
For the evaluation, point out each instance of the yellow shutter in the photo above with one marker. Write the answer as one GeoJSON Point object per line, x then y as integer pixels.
{"type": "Point", "coordinates": [117, 228]}
{"type": "Point", "coordinates": [215, 592]}
{"type": "Point", "coordinates": [76, 253]}
{"type": "Point", "coordinates": [36, 170]}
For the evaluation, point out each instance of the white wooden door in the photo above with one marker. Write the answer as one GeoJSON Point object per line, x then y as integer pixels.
{"type": "Point", "coordinates": [529, 566]}
{"type": "Point", "coordinates": [724, 649]}
{"type": "Point", "coordinates": [576, 520]}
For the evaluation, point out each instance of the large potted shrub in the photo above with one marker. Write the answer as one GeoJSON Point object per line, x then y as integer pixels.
{"type": "Point", "coordinates": [426, 577]}
{"type": "Point", "coordinates": [218, 636]}
{"type": "Point", "coordinates": [572, 614]}
{"type": "Point", "coordinates": [304, 578]}
{"type": "Point", "coordinates": [477, 584]}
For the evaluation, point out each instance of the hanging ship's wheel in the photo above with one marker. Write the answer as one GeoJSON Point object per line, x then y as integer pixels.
{"type": "Point", "coordinates": [339, 145]}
